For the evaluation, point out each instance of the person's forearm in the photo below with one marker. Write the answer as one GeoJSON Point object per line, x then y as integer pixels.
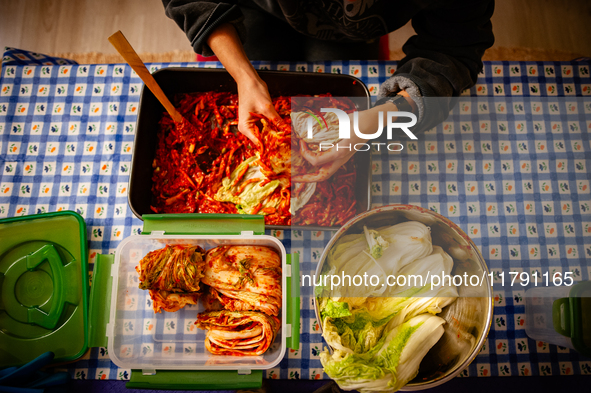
{"type": "Point", "coordinates": [226, 45]}
{"type": "Point", "coordinates": [253, 95]}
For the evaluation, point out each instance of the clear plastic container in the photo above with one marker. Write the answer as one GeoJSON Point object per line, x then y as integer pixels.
{"type": "Point", "coordinates": [560, 316]}
{"type": "Point", "coordinates": [539, 323]}
{"type": "Point", "coordinates": [138, 338]}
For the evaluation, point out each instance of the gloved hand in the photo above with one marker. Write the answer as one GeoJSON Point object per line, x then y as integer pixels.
{"type": "Point", "coordinates": [29, 378]}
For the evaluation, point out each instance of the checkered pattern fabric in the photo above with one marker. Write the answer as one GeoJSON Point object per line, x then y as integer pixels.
{"type": "Point", "coordinates": [13, 56]}
{"type": "Point", "coordinates": [506, 168]}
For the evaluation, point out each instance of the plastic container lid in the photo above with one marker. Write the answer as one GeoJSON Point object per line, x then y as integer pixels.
{"type": "Point", "coordinates": [572, 317]}
{"type": "Point", "coordinates": [43, 287]}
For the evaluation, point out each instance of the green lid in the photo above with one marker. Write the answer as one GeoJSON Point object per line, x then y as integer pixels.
{"type": "Point", "coordinates": [43, 287]}
{"type": "Point", "coordinates": [572, 317]}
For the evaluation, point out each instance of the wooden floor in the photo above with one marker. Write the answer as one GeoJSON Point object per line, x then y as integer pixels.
{"type": "Point", "coordinates": [58, 26]}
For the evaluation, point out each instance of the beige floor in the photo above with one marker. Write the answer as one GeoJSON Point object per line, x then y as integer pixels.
{"type": "Point", "coordinates": [560, 28]}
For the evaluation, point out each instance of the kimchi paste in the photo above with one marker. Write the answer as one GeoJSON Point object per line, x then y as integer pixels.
{"type": "Point", "coordinates": [207, 166]}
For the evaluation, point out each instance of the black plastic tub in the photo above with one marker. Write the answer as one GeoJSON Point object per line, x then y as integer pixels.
{"type": "Point", "coordinates": [176, 80]}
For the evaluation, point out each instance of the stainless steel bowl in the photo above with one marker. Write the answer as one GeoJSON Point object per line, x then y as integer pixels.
{"type": "Point", "coordinates": [437, 367]}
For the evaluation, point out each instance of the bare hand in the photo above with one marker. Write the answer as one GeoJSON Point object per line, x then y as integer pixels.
{"type": "Point", "coordinates": [329, 162]}
{"type": "Point", "coordinates": [254, 99]}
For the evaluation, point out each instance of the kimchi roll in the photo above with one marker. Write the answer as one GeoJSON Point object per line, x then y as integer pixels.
{"type": "Point", "coordinates": [173, 275]}
{"type": "Point", "coordinates": [253, 269]}
{"type": "Point", "coordinates": [238, 333]}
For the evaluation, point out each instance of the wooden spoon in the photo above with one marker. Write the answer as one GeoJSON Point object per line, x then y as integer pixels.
{"type": "Point", "coordinates": [120, 43]}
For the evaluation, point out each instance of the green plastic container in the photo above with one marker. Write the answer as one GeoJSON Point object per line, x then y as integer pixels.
{"type": "Point", "coordinates": [43, 288]}
{"type": "Point", "coordinates": [46, 305]}
{"type": "Point", "coordinates": [561, 316]}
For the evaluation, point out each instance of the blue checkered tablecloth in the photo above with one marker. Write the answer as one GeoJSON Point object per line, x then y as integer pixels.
{"type": "Point", "coordinates": [504, 166]}
{"type": "Point", "coordinates": [14, 56]}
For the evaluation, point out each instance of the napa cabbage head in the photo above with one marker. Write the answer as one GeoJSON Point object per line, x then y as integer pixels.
{"type": "Point", "coordinates": [355, 371]}
{"type": "Point", "coordinates": [383, 252]}
{"type": "Point", "coordinates": [357, 330]}
{"type": "Point", "coordinates": [392, 363]}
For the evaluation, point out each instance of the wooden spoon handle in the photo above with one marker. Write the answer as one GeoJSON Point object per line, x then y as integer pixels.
{"type": "Point", "coordinates": [120, 43]}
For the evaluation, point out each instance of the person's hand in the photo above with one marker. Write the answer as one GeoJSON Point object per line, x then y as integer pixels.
{"type": "Point", "coordinates": [254, 99]}
{"type": "Point", "coordinates": [327, 163]}
{"type": "Point", "coordinates": [253, 95]}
